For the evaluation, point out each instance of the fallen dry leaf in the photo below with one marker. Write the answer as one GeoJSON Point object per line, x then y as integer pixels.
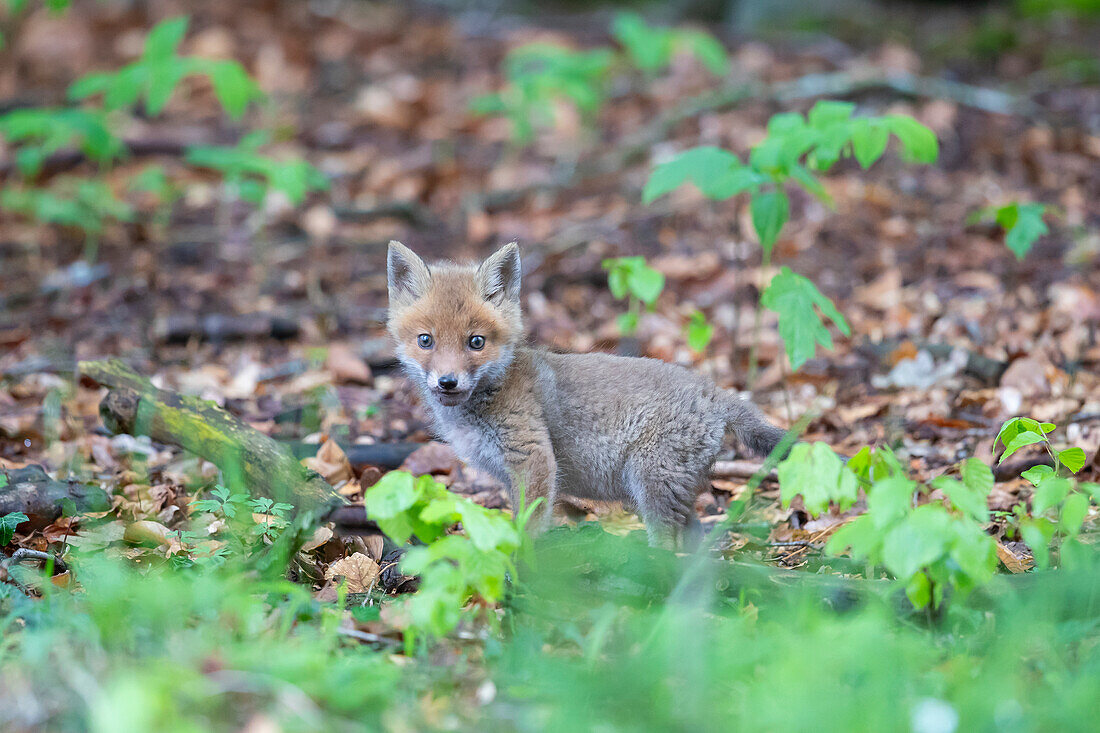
{"type": "Point", "coordinates": [321, 535]}
{"type": "Point", "coordinates": [358, 570]}
{"type": "Point", "coordinates": [331, 462]}
{"type": "Point", "coordinates": [146, 531]}
{"type": "Point", "coordinates": [1014, 563]}
{"type": "Point", "coordinates": [432, 458]}
{"type": "Point", "coordinates": [374, 544]}
{"type": "Point", "coordinates": [346, 366]}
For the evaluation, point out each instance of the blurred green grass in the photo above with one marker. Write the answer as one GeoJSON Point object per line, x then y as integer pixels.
{"type": "Point", "coordinates": [600, 633]}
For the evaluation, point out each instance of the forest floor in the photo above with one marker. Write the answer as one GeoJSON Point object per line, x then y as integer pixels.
{"type": "Point", "coordinates": [279, 315]}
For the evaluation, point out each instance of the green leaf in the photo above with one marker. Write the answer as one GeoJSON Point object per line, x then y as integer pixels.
{"type": "Point", "coordinates": [1036, 474]}
{"type": "Point", "coordinates": [918, 541]}
{"type": "Point", "coordinates": [717, 173]}
{"type": "Point", "coordinates": [1017, 425]}
{"type": "Point", "coordinates": [794, 298]}
{"type": "Point", "coordinates": [488, 530]}
{"type": "Point", "coordinates": [869, 140]}
{"type": "Point", "coordinates": [708, 49]}
{"type": "Point", "coordinates": [8, 523]}
{"type": "Point", "coordinates": [233, 87]}
{"type": "Point", "coordinates": [650, 49]}
{"type": "Point", "coordinates": [889, 500]}
{"type": "Point", "coordinates": [1038, 533]}
{"type": "Point", "coordinates": [971, 502]}
{"type": "Point", "coordinates": [974, 551]}
{"type": "Point", "coordinates": [1020, 441]}
{"type": "Point", "coordinates": [919, 142]}
{"type": "Point", "coordinates": [645, 283]}
{"type": "Point", "coordinates": [1072, 458]}
{"type": "Point", "coordinates": [875, 464]}
{"type": "Point", "coordinates": [969, 496]}
{"type": "Point", "coordinates": [89, 85]}
{"type": "Point", "coordinates": [827, 113]}
{"type": "Point", "coordinates": [818, 474]}
{"type": "Point", "coordinates": [1009, 430]}
{"type": "Point", "coordinates": [1049, 493]}
{"type": "Point", "coordinates": [1025, 230]}
{"type": "Point", "coordinates": [392, 495]}
{"type": "Point", "coordinates": [164, 39]}
{"type": "Point", "coordinates": [616, 277]}
{"type": "Point", "coordinates": [3, 480]}
{"type": "Point", "coordinates": [860, 536]}
{"type": "Point", "coordinates": [1074, 511]}
{"type": "Point", "coordinates": [125, 88]}
{"type": "Point", "coordinates": [977, 476]}
{"type": "Point", "coordinates": [770, 211]}
{"type": "Point", "coordinates": [810, 182]}
{"type": "Point", "coordinates": [919, 590]}
{"type": "Point", "coordinates": [627, 322]}
{"type": "Point", "coordinates": [162, 82]}
{"type": "Point", "coordinates": [699, 332]}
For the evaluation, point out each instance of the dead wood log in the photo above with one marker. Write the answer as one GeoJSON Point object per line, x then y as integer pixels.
{"type": "Point", "coordinates": [31, 491]}
{"type": "Point", "coordinates": [219, 327]}
{"type": "Point", "coordinates": [382, 455]}
{"type": "Point", "coordinates": [133, 405]}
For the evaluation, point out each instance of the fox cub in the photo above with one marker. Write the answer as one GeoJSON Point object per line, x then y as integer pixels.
{"type": "Point", "coordinates": [597, 426]}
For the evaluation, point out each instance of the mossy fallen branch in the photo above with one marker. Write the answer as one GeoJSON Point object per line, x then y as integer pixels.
{"type": "Point", "coordinates": [243, 454]}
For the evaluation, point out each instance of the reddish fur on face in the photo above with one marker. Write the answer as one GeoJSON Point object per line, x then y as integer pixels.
{"type": "Point", "coordinates": [452, 310]}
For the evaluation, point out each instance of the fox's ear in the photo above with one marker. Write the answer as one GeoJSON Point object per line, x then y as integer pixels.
{"type": "Point", "coordinates": [498, 277]}
{"type": "Point", "coordinates": [407, 275]}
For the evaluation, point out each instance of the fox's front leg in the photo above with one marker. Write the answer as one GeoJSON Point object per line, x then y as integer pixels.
{"type": "Point", "coordinates": [529, 457]}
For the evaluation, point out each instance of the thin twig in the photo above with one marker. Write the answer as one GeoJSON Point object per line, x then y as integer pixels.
{"type": "Point", "coordinates": [739, 469]}
{"type": "Point", "coordinates": [367, 637]}
{"type": "Point", "coordinates": [23, 554]}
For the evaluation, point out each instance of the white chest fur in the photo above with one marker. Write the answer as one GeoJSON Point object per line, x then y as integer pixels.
{"type": "Point", "coordinates": [476, 443]}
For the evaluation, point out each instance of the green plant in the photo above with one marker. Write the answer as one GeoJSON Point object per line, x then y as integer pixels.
{"type": "Point", "coordinates": [1023, 224]}
{"type": "Point", "coordinates": [652, 48]}
{"type": "Point", "coordinates": [225, 502]}
{"type": "Point", "coordinates": [452, 567]}
{"type": "Point", "coordinates": [699, 332]}
{"type": "Point", "coordinates": [81, 203]}
{"type": "Point", "coordinates": [1059, 504]}
{"type": "Point", "coordinates": [154, 77]}
{"type": "Point", "coordinates": [174, 650]}
{"type": "Point", "coordinates": [927, 545]}
{"type": "Point", "coordinates": [275, 516]}
{"type": "Point", "coordinates": [36, 133]}
{"type": "Point", "coordinates": [248, 524]}
{"type": "Point", "coordinates": [632, 278]}
{"type": "Point", "coordinates": [930, 544]}
{"type": "Point", "coordinates": [540, 75]}
{"type": "Point", "coordinates": [251, 175]}
{"type": "Point", "coordinates": [1072, 8]}
{"type": "Point", "coordinates": [9, 522]}
{"type": "Point", "coordinates": [794, 149]}
{"type": "Point", "coordinates": [798, 302]}
{"type": "Point", "coordinates": [153, 184]}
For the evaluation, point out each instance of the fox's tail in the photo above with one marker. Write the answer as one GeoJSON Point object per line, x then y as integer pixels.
{"type": "Point", "coordinates": [750, 427]}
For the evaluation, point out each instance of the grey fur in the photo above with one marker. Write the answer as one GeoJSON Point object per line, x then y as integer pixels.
{"type": "Point", "coordinates": [640, 431]}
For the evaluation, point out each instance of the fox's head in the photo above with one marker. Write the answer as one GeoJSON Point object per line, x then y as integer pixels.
{"type": "Point", "coordinates": [456, 326]}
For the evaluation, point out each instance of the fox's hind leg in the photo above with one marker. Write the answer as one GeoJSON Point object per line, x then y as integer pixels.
{"type": "Point", "coordinates": [666, 501]}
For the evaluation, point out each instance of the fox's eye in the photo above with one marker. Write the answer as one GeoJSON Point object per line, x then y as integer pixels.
{"type": "Point", "coordinates": [425, 340]}
{"type": "Point", "coordinates": [477, 343]}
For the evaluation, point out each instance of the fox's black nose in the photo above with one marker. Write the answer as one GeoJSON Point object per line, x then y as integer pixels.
{"type": "Point", "coordinates": [448, 381]}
